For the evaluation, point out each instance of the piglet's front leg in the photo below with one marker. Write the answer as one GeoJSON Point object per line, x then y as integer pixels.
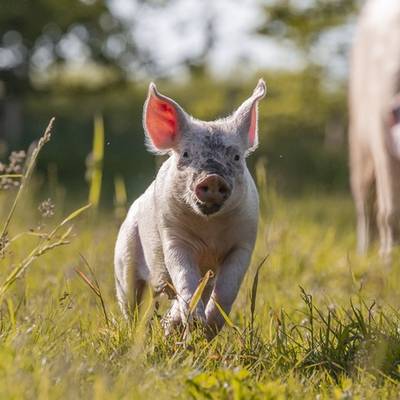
{"type": "Point", "coordinates": [227, 284]}
{"type": "Point", "coordinates": [185, 277]}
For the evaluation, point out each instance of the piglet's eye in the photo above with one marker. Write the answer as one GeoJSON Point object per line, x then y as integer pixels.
{"type": "Point", "coordinates": [237, 157]}
{"type": "Point", "coordinates": [185, 154]}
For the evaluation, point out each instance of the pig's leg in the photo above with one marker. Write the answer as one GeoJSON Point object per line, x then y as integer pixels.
{"type": "Point", "coordinates": [226, 288]}
{"type": "Point", "coordinates": [185, 276]}
{"type": "Point", "coordinates": [384, 212]}
{"type": "Point", "coordinates": [388, 208]}
{"type": "Point", "coordinates": [172, 318]}
{"type": "Point", "coordinates": [130, 268]}
{"type": "Point", "coordinates": [362, 178]}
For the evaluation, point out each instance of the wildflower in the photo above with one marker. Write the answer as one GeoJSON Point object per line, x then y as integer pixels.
{"type": "Point", "coordinates": [14, 167]}
{"type": "Point", "coordinates": [46, 208]}
{"type": "Point", "coordinates": [17, 159]}
{"type": "Point", "coordinates": [332, 307]}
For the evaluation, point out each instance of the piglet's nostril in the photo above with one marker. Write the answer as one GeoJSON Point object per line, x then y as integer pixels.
{"type": "Point", "coordinates": [212, 190]}
{"type": "Point", "coordinates": [223, 190]}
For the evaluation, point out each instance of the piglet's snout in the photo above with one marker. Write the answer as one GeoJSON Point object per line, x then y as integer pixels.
{"type": "Point", "coordinates": [213, 190]}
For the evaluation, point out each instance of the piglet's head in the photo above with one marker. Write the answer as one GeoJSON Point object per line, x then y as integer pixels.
{"type": "Point", "coordinates": [208, 157]}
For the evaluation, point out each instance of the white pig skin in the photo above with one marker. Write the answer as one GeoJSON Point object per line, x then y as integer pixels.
{"type": "Point", "coordinates": [374, 141]}
{"type": "Point", "coordinates": [168, 235]}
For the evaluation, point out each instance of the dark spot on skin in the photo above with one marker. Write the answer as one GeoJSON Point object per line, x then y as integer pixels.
{"type": "Point", "coordinates": [214, 143]}
{"type": "Point", "coordinates": [212, 166]}
{"type": "Point", "coordinates": [219, 156]}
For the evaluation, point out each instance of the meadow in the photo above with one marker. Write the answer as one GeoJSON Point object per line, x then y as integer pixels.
{"type": "Point", "coordinates": [313, 320]}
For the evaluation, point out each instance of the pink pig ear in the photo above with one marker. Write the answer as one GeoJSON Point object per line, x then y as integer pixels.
{"type": "Point", "coordinates": [163, 120]}
{"type": "Point", "coordinates": [246, 117]}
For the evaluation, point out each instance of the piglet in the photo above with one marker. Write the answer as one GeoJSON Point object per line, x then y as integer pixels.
{"type": "Point", "coordinates": [200, 212]}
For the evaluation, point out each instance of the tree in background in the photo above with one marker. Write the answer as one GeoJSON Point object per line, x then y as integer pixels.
{"type": "Point", "coordinates": [307, 25]}
{"type": "Point", "coordinates": [304, 22]}
{"type": "Point", "coordinates": [35, 35]}
{"type": "Point", "coordinates": [303, 27]}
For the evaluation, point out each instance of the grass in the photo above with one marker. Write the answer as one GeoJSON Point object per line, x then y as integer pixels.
{"type": "Point", "coordinates": [312, 321]}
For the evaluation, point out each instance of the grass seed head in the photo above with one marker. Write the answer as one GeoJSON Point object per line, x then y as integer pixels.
{"type": "Point", "coordinates": [4, 240]}
{"type": "Point", "coordinates": [14, 167]}
{"type": "Point", "coordinates": [47, 208]}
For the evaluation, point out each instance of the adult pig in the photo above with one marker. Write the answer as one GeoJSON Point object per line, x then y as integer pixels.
{"type": "Point", "coordinates": [374, 132]}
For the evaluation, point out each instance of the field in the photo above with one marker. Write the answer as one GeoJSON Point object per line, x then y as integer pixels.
{"type": "Point", "coordinates": [315, 321]}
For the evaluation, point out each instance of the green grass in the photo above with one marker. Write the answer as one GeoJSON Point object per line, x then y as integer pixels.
{"type": "Point", "coordinates": [315, 321]}
{"type": "Point", "coordinates": [325, 321]}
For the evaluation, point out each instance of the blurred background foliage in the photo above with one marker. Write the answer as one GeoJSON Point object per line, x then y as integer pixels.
{"type": "Point", "coordinates": [74, 59]}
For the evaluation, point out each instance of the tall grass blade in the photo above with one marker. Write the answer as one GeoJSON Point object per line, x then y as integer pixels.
{"type": "Point", "coordinates": [94, 286]}
{"type": "Point", "coordinates": [70, 217]}
{"type": "Point", "coordinates": [261, 179]}
{"type": "Point", "coordinates": [224, 314]}
{"type": "Point", "coordinates": [253, 298]}
{"type": "Point", "coordinates": [227, 320]}
{"type": "Point", "coordinates": [47, 243]}
{"type": "Point", "coordinates": [11, 175]}
{"type": "Point", "coordinates": [254, 288]}
{"type": "Point", "coordinates": [27, 174]}
{"type": "Point", "coordinates": [120, 197]}
{"type": "Point", "coordinates": [97, 167]}
{"type": "Point", "coordinates": [75, 214]}
{"type": "Point", "coordinates": [23, 266]}
{"type": "Point", "coordinates": [87, 281]}
{"type": "Point", "coordinates": [199, 291]}
{"type": "Point", "coordinates": [99, 294]}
